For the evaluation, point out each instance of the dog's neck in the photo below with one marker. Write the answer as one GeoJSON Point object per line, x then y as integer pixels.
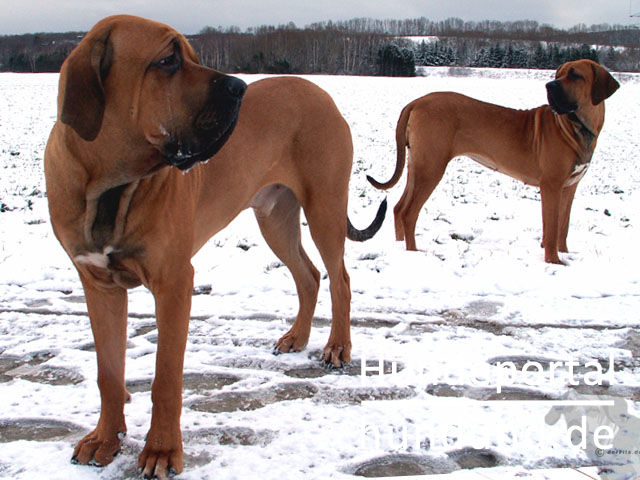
{"type": "Point", "coordinates": [582, 129]}
{"type": "Point", "coordinates": [588, 138]}
{"type": "Point", "coordinates": [108, 193]}
{"type": "Point", "coordinates": [103, 201]}
{"type": "Point", "coordinates": [578, 134]}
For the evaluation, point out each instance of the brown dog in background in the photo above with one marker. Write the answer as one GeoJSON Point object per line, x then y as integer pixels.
{"type": "Point", "coordinates": [549, 146]}
{"type": "Point", "coordinates": [136, 110]}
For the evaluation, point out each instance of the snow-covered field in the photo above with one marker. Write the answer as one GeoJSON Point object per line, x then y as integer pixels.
{"type": "Point", "coordinates": [476, 294]}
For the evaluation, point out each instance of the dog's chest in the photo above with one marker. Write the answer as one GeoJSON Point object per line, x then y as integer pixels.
{"type": "Point", "coordinates": [95, 259]}
{"type": "Point", "coordinates": [109, 267]}
{"type": "Point", "coordinates": [107, 251]}
{"type": "Point", "coordinates": [579, 169]}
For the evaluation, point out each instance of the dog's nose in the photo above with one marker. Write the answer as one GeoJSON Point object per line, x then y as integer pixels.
{"type": "Point", "coordinates": [553, 91]}
{"type": "Point", "coordinates": [235, 87]}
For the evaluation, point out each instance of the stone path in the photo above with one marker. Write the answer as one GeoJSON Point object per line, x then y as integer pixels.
{"type": "Point", "coordinates": [228, 396]}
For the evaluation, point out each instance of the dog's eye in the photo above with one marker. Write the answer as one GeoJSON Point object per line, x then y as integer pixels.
{"type": "Point", "coordinates": [573, 75]}
{"type": "Point", "coordinates": [170, 63]}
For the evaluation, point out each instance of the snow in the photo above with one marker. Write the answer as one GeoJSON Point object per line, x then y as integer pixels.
{"type": "Point", "coordinates": [421, 38]}
{"type": "Point", "coordinates": [445, 314]}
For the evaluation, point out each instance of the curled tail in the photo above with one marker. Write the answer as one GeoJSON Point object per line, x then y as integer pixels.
{"type": "Point", "coordinates": [361, 235]}
{"type": "Point", "coordinates": [401, 144]}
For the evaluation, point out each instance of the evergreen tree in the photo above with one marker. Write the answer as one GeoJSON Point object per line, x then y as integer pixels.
{"type": "Point", "coordinates": [540, 58]}
{"type": "Point", "coordinates": [481, 59]}
{"type": "Point", "coordinates": [496, 58]}
{"type": "Point", "coordinates": [556, 56]}
{"type": "Point", "coordinates": [396, 62]}
{"type": "Point", "coordinates": [610, 57]}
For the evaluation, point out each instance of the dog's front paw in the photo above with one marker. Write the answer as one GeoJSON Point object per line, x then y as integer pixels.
{"type": "Point", "coordinates": [161, 457]}
{"type": "Point", "coordinates": [97, 448]}
{"type": "Point", "coordinates": [337, 354]}
{"type": "Point", "coordinates": [554, 259]}
{"type": "Point", "coordinates": [291, 341]}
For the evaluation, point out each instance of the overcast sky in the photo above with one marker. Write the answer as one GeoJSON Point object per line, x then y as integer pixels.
{"type": "Point", "coordinates": [190, 16]}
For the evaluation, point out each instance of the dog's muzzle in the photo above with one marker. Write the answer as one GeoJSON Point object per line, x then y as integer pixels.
{"type": "Point", "coordinates": [558, 100]}
{"type": "Point", "coordinates": [211, 128]}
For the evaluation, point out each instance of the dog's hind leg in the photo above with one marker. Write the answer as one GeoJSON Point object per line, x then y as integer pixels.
{"type": "Point", "coordinates": [326, 216]}
{"type": "Point", "coordinates": [399, 209]}
{"type": "Point", "coordinates": [423, 176]}
{"type": "Point", "coordinates": [278, 215]}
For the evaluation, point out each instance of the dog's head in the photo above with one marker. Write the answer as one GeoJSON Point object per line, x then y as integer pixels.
{"type": "Point", "coordinates": [579, 84]}
{"type": "Point", "coordinates": [141, 81]}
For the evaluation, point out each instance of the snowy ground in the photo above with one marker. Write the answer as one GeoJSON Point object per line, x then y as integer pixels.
{"type": "Point", "coordinates": [476, 294]}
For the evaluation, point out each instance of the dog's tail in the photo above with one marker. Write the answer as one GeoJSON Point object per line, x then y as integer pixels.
{"type": "Point", "coordinates": [361, 235]}
{"type": "Point", "coordinates": [401, 145]}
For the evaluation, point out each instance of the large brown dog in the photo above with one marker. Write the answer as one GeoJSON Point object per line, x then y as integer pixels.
{"type": "Point", "coordinates": [133, 103]}
{"type": "Point", "coordinates": [549, 146]}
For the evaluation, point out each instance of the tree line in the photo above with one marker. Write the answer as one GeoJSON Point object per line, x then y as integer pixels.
{"type": "Point", "coordinates": [457, 52]}
{"type": "Point", "coordinates": [368, 47]}
{"type": "Point", "coordinates": [530, 30]}
{"type": "Point", "coordinates": [39, 52]}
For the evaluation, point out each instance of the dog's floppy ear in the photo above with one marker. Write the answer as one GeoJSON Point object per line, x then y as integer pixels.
{"type": "Point", "coordinates": [603, 85]}
{"type": "Point", "coordinates": [83, 74]}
